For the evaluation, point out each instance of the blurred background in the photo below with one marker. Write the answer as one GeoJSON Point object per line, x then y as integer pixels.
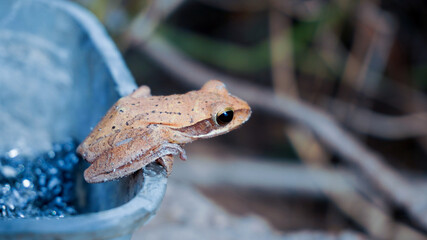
{"type": "Point", "coordinates": [337, 142]}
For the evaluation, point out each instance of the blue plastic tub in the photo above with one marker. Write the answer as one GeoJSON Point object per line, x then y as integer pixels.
{"type": "Point", "coordinates": [59, 74]}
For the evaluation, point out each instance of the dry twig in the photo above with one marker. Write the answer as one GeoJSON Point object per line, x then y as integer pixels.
{"type": "Point", "coordinates": [265, 174]}
{"type": "Point", "coordinates": [380, 125]}
{"type": "Point", "coordinates": [373, 218]}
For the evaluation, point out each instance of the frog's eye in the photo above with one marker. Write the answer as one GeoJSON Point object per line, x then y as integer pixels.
{"type": "Point", "coordinates": [224, 117]}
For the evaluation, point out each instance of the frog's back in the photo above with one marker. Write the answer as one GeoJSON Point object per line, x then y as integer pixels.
{"type": "Point", "coordinates": [174, 110]}
{"type": "Point", "coordinates": [130, 117]}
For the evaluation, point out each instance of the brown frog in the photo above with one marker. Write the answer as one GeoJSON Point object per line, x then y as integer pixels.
{"type": "Point", "coordinates": [140, 128]}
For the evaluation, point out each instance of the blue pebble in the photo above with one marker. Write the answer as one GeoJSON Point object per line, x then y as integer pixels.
{"type": "Point", "coordinates": [44, 186]}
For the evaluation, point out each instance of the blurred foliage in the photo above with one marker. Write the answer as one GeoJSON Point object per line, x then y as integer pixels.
{"type": "Point", "coordinates": [221, 54]}
{"type": "Point", "coordinates": [232, 56]}
{"type": "Point", "coordinates": [227, 55]}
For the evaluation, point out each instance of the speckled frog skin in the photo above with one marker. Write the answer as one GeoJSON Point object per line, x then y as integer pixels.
{"type": "Point", "coordinates": [140, 128]}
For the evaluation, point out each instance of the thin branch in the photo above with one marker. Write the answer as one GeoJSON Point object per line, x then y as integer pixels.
{"type": "Point", "coordinates": [371, 47]}
{"type": "Point", "coordinates": [295, 8]}
{"type": "Point", "coordinates": [395, 94]}
{"type": "Point", "coordinates": [334, 186]}
{"type": "Point", "coordinates": [372, 165]}
{"type": "Point", "coordinates": [380, 125]}
{"type": "Point", "coordinates": [265, 174]}
{"type": "Point", "coordinates": [281, 54]}
{"type": "Point", "coordinates": [399, 96]}
{"type": "Point", "coordinates": [147, 21]}
{"type": "Point", "coordinates": [374, 218]}
{"type": "Point", "coordinates": [373, 39]}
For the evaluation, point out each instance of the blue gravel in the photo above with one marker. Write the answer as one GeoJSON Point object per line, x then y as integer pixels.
{"type": "Point", "coordinates": [43, 186]}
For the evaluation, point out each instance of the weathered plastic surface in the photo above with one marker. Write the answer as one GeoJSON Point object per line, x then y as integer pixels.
{"type": "Point", "coordinates": [59, 74]}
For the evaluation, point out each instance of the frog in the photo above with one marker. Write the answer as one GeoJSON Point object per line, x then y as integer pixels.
{"type": "Point", "coordinates": [140, 129]}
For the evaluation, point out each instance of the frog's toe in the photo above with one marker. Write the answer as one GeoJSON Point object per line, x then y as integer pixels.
{"type": "Point", "coordinates": [167, 162]}
{"type": "Point", "coordinates": [143, 91]}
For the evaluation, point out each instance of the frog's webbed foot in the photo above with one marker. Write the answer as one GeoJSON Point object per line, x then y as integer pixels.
{"type": "Point", "coordinates": [143, 91]}
{"type": "Point", "coordinates": [167, 162]}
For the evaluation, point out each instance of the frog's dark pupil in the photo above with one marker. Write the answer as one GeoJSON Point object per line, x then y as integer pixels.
{"type": "Point", "coordinates": [225, 117]}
